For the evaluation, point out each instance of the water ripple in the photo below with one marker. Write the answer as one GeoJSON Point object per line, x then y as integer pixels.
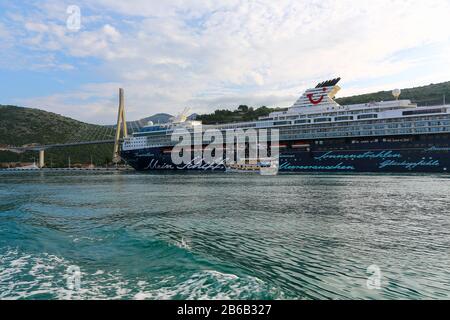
{"type": "Point", "coordinates": [213, 236]}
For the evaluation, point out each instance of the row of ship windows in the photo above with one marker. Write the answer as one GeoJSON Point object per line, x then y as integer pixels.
{"type": "Point", "coordinates": [326, 133]}
{"type": "Point", "coordinates": [381, 123]}
{"type": "Point", "coordinates": [420, 126]}
{"type": "Point", "coordinates": [378, 129]}
{"type": "Point", "coordinates": [424, 141]}
{"type": "Point", "coordinates": [442, 139]}
{"type": "Point", "coordinates": [364, 133]}
{"type": "Point", "coordinates": [242, 126]}
{"type": "Point", "coordinates": [324, 119]}
{"type": "Point", "coordinates": [331, 114]}
{"type": "Point", "coordinates": [350, 118]}
{"type": "Point", "coordinates": [363, 114]}
{"type": "Point", "coordinates": [342, 122]}
{"type": "Point", "coordinates": [139, 142]}
{"type": "Point", "coordinates": [373, 127]}
{"type": "Point", "coordinates": [403, 146]}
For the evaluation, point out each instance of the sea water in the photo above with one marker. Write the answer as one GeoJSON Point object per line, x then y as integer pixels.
{"type": "Point", "coordinates": [224, 236]}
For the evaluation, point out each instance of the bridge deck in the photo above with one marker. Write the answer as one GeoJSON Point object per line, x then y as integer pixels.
{"type": "Point", "coordinates": [58, 145]}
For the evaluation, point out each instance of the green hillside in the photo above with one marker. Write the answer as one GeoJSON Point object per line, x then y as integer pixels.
{"type": "Point", "coordinates": [20, 126]}
{"type": "Point", "coordinates": [424, 96]}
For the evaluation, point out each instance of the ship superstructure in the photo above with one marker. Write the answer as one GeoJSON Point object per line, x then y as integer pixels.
{"type": "Point", "coordinates": [318, 134]}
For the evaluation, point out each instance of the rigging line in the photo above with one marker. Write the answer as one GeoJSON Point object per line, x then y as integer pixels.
{"type": "Point", "coordinates": [140, 124]}
{"type": "Point", "coordinates": [104, 132]}
{"type": "Point", "coordinates": [95, 133]}
{"type": "Point", "coordinates": [73, 135]}
{"type": "Point", "coordinates": [130, 127]}
{"type": "Point", "coordinates": [86, 132]}
{"type": "Point", "coordinates": [109, 132]}
{"type": "Point", "coordinates": [137, 126]}
{"type": "Point", "coordinates": [134, 126]}
{"type": "Point", "coordinates": [70, 135]}
{"type": "Point", "coordinates": [92, 131]}
{"type": "Point", "coordinates": [99, 134]}
{"type": "Point", "coordinates": [81, 131]}
{"type": "Point", "coordinates": [89, 130]}
{"type": "Point", "coordinates": [113, 132]}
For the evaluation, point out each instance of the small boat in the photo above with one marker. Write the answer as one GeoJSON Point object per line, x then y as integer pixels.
{"type": "Point", "coordinates": [269, 167]}
{"type": "Point", "coordinates": [265, 167]}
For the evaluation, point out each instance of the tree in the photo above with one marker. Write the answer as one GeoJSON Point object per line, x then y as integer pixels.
{"type": "Point", "coordinates": [243, 108]}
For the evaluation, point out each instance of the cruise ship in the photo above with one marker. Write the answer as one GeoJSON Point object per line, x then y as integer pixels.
{"type": "Point", "coordinates": [316, 134]}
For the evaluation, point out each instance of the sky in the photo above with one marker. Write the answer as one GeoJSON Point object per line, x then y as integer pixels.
{"type": "Point", "coordinates": [70, 57]}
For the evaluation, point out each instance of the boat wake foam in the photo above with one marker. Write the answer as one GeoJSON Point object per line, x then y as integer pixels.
{"type": "Point", "coordinates": [44, 276]}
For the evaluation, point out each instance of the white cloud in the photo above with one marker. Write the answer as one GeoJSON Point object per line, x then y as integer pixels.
{"type": "Point", "coordinates": [211, 54]}
{"type": "Point", "coordinates": [111, 32]}
{"type": "Point", "coordinates": [5, 37]}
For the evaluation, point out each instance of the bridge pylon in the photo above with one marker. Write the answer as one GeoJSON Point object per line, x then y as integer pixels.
{"type": "Point", "coordinates": [41, 159]}
{"type": "Point", "coordinates": [121, 128]}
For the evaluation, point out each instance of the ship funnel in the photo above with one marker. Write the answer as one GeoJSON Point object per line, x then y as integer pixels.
{"type": "Point", "coordinates": [396, 93]}
{"type": "Point", "coordinates": [322, 95]}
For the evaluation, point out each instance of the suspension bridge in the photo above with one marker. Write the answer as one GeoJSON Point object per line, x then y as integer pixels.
{"type": "Point", "coordinates": [87, 135]}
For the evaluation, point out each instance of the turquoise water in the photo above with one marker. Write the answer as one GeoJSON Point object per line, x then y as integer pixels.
{"type": "Point", "coordinates": [219, 236]}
